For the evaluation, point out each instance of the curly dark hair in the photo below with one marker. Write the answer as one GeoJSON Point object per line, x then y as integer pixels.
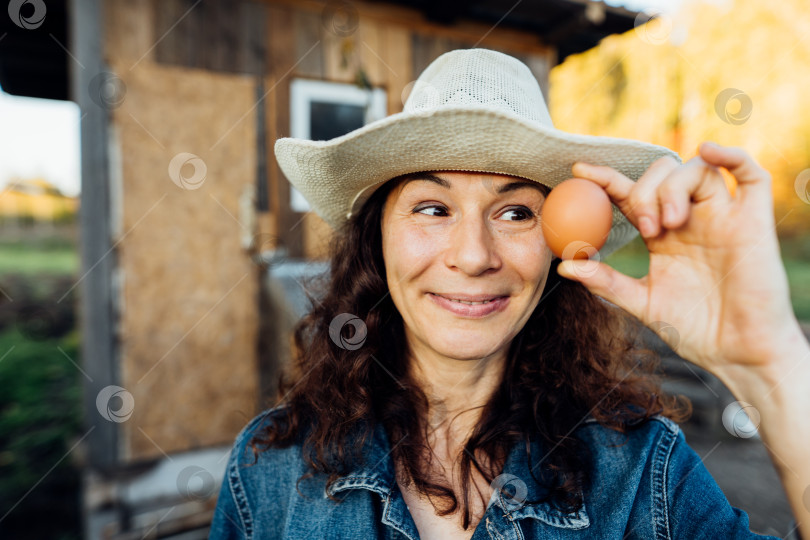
{"type": "Point", "coordinates": [577, 356]}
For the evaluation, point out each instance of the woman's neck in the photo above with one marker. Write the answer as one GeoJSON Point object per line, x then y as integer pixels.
{"type": "Point", "coordinates": [457, 391]}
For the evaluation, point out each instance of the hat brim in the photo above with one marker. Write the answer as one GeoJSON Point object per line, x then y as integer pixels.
{"type": "Point", "coordinates": [338, 176]}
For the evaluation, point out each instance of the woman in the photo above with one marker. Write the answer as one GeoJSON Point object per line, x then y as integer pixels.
{"type": "Point", "coordinates": [456, 381]}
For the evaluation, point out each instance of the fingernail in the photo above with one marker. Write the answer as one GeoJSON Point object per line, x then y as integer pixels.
{"type": "Point", "coordinates": [584, 167]}
{"type": "Point", "coordinates": [566, 269]}
{"type": "Point", "coordinates": [645, 226]}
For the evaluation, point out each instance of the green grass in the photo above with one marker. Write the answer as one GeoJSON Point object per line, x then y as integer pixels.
{"type": "Point", "coordinates": [634, 260]}
{"type": "Point", "coordinates": [631, 260]}
{"type": "Point", "coordinates": [40, 420]}
{"type": "Point", "coordinates": [43, 257]}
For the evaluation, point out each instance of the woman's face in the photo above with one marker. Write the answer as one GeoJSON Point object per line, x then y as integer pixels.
{"type": "Point", "coordinates": [450, 236]}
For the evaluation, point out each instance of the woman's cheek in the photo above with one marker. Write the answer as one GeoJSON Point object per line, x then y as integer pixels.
{"type": "Point", "coordinates": [531, 254]}
{"type": "Point", "coordinates": [423, 241]}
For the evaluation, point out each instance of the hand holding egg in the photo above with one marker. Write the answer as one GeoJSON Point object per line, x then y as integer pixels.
{"type": "Point", "coordinates": [712, 256]}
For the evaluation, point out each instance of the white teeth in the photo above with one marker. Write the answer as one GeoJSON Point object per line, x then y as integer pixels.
{"type": "Point", "coordinates": [470, 303]}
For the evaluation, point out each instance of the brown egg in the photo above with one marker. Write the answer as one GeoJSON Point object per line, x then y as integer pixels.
{"type": "Point", "coordinates": [576, 217]}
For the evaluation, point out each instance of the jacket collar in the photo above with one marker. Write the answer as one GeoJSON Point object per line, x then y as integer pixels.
{"type": "Point", "coordinates": [376, 473]}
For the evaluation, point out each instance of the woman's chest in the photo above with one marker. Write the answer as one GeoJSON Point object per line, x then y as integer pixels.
{"type": "Point", "coordinates": [432, 526]}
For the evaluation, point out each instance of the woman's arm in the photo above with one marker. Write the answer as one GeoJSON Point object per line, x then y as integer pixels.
{"type": "Point", "coordinates": [780, 393]}
{"type": "Point", "coordinates": [717, 277]}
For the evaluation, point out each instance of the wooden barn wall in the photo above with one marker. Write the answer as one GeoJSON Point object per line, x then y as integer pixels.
{"type": "Point", "coordinates": [201, 77]}
{"type": "Point", "coordinates": [391, 45]}
{"type": "Point", "coordinates": [188, 290]}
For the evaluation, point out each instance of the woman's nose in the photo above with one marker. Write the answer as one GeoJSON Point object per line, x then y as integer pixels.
{"type": "Point", "coordinates": [471, 247]}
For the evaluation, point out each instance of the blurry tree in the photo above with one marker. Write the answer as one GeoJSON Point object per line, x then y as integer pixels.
{"type": "Point", "coordinates": [731, 71]}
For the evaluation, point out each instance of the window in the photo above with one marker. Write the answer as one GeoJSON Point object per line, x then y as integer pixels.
{"type": "Point", "coordinates": [324, 110]}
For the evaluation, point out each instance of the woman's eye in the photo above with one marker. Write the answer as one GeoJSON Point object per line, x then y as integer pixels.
{"type": "Point", "coordinates": [432, 210]}
{"type": "Point", "coordinates": [518, 214]}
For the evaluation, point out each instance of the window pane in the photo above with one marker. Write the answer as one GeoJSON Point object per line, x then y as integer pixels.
{"type": "Point", "coordinates": [330, 120]}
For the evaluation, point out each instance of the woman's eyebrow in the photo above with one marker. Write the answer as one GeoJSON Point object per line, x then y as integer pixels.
{"type": "Point", "coordinates": [428, 177]}
{"type": "Point", "coordinates": [511, 186]}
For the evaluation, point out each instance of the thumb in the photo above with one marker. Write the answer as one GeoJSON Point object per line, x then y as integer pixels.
{"type": "Point", "coordinates": [604, 281]}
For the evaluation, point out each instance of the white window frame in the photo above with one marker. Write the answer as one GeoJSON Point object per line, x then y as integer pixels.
{"type": "Point", "coordinates": [305, 91]}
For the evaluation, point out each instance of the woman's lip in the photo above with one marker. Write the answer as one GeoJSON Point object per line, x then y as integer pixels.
{"type": "Point", "coordinates": [471, 310]}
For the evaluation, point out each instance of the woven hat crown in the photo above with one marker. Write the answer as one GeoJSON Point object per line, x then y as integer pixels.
{"type": "Point", "coordinates": [479, 77]}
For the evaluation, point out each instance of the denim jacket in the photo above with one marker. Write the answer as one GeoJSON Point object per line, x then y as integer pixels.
{"type": "Point", "coordinates": [646, 484]}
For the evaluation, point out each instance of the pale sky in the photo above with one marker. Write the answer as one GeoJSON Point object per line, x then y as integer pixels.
{"type": "Point", "coordinates": [40, 137]}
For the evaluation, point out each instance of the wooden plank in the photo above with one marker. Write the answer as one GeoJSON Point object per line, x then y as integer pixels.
{"type": "Point", "coordinates": [129, 29]}
{"type": "Point", "coordinates": [463, 31]}
{"type": "Point", "coordinates": [253, 46]}
{"type": "Point", "coordinates": [206, 33]}
{"type": "Point", "coordinates": [426, 48]}
{"type": "Point", "coordinates": [280, 34]}
{"type": "Point", "coordinates": [397, 55]}
{"type": "Point", "coordinates": [540, 64]}
{"type": "Point", "coordinates": [217, 35]}
{"type": "Point", "coordinates": [273, 171]}
{"type": "Point", "coordinates": [340, 62]}
{"type": "Point", "coordinates": [188, 20]}
{"type": "Point", "coordinates": [262, 195]}
{"type": "Point", "coordinates": [308, 33]}
{"type": "Point", "coordinates": [317, 237]}
{"type": "Point", "coordinates": [167, 51]}
{"type": "Point", "coordinates": [369, 50]}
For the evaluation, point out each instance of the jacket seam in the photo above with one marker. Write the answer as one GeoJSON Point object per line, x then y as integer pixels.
{"type": "Point", "coordinates": [386, 519]}
{"type": "Point", "coordinates": [240, 498]}
{"type": "Point", "coordinates": [234, 478]}
{"type": "Point", "coordinates": [659, 481]}
{"type": "Point", "coordinates": [518, 530]}
{"type": "Point", "coordinates": [671, 426]}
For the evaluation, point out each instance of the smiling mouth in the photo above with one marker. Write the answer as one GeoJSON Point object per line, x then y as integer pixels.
{"type": "Point", "coordinates": [470, 306]}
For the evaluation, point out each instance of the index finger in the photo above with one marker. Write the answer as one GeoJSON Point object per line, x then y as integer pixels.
{"type": "Point", "coordinates": [617, 185]}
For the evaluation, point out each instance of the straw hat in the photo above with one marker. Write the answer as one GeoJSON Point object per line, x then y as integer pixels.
{"type": "Point", "coordinates": [470, 110]}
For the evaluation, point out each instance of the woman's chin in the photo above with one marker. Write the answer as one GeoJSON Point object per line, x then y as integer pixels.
{"type": "Point", "coordinates": [469, 347]}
